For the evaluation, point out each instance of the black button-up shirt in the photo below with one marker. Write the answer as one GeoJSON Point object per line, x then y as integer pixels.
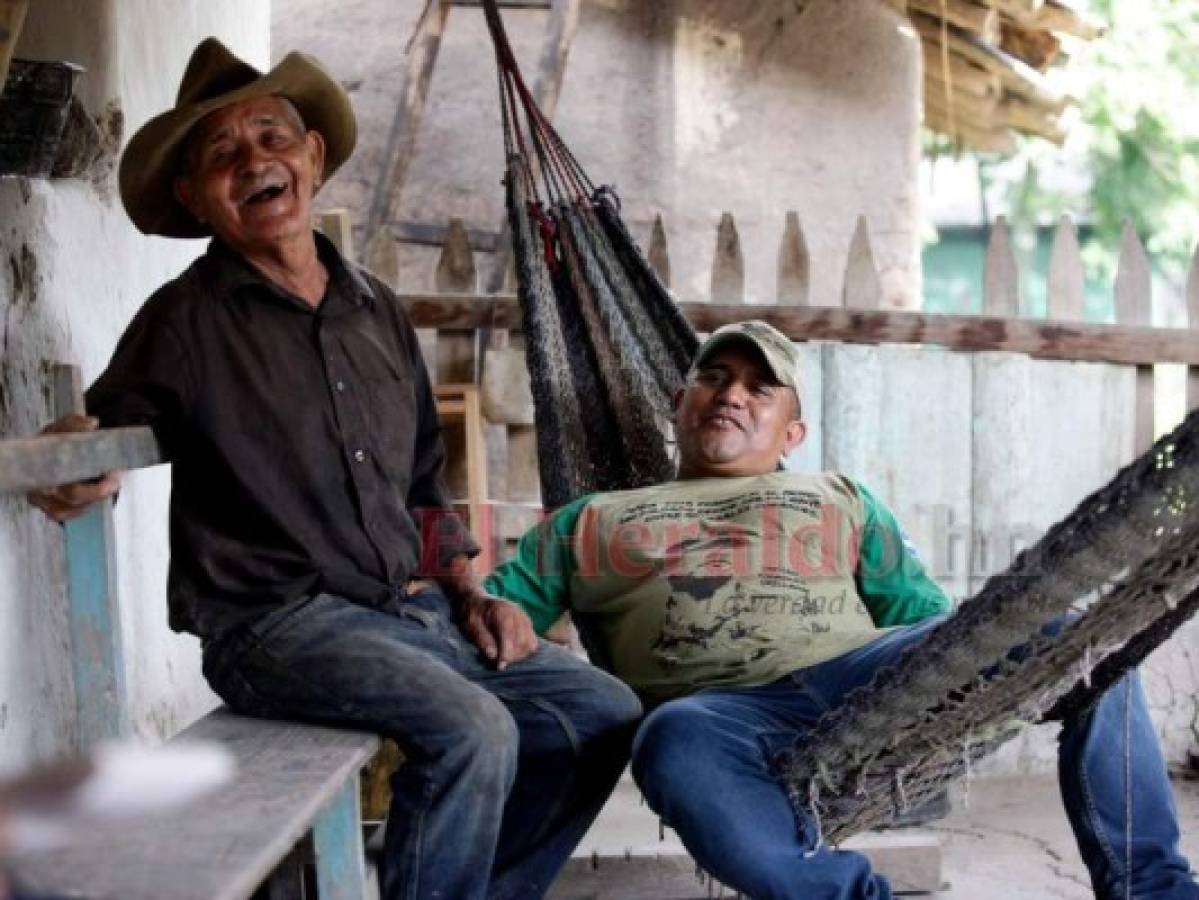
{"type": "Point", "coordinates": [305, 442]}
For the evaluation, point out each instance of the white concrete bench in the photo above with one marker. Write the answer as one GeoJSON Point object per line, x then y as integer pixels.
{"type": "Point", "coordinates": [292, 779]}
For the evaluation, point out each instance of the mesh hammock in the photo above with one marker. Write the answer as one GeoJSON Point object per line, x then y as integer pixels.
{"type": "Point", "coordinates": [606, 347]}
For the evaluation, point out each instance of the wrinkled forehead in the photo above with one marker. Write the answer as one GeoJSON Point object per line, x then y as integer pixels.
{"type": "Point", "coordinates": [266, 110]}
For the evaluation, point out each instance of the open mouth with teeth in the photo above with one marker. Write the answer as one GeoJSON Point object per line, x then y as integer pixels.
{"type": "Point", "coordinates": [265, 194]}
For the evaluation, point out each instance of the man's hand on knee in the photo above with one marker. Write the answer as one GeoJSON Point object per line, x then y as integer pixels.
{"type": "Point", "coordinates": [66, 501]}
{"type": "Point", "coordinates": [500, 629]}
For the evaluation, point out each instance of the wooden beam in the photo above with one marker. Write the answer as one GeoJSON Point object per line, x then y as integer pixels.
{"type": "Point", "coordinates": [432, 235]}
{"type": "Point", "coordinates": [1078, 341]}
{"type": "Point", "coordinates": [51, 459]}
{"type": "Point", "coordinates": [405, 123]}
{"type": "Point", "coordinates": [12, 17]}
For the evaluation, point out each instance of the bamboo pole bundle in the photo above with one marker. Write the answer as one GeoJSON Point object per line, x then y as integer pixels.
{"type": "Point", "coordinates": [1018, 77]}
{"type": "Point", "coordinates": [1040, 49]}
{"type": "Point", "coordinates": [987, 140]}
{"type": "Point", "coordinates": [1016, 113]}
{"type": "Point", "coordinates": [969, 16]}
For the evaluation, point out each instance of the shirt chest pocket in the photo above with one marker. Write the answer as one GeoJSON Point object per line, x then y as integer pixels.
{"type": "Point", "coordinates": [381, 388]}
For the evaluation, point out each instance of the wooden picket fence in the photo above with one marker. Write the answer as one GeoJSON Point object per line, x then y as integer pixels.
{"type": "Point", "coordinates": [1100, 375]}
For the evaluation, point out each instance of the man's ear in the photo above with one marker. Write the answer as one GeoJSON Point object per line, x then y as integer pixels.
{"type": "Point", "coordinates": [796, 432]}
{"type": "Point", "coordinates": [315, 143]}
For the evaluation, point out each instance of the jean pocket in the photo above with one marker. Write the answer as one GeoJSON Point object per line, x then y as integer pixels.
{"type": "Point", "coordinates": [277, 622]}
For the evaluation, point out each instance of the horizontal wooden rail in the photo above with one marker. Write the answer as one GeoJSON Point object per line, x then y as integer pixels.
{"type": "Point", "coordinates": [1075, 341]}
{"type": "Point", "coordinates": [51, 459]}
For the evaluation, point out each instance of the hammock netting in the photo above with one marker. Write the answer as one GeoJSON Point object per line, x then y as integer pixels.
{"type": "Point", "coordinates": [607, 347]}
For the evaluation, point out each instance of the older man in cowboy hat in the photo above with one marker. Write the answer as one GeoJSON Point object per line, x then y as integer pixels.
{"type": "Point", "coordinates": [286, 386]}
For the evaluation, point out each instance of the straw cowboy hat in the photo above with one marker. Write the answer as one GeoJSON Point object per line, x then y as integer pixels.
{"type": "Point", "coordinates": [214, 79]}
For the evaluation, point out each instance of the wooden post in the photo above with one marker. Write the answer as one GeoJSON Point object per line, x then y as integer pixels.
{"type": "Point", "coordinates": [862, 288]}
{"type": "Point", "coordinates": [97, 656]}
{"type": "Point", "coordinates": [12, 17]}
{"type": "Point", "coordinates": [336, 226]}
{"type": "Point", "coordinates": [1193, 322]}
{"type": "Point", "coordinates": [456, 274]}
{"type": "Point", "coordinates": [337, 840]}
{"type": "Point", "coordinates": [1134, 306]}
{"type": "Point", "coordinates": [794, 266]}
{"type": "Point", "coordinates": [1067, 286]}
{"type": "Point", "coordinates": [728, 267]}
{"type": "Point", "coordinates": [1001, 278]}
{"type": "Point", "coordinates": [659, 254]}
{"type": "Point", "coordinates": [383, 259]}
{"type": "Point", "coordinates": [405, 122]}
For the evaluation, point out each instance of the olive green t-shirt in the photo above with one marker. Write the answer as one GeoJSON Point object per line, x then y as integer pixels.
{"type": "Point", "coordinates": [722, 581]}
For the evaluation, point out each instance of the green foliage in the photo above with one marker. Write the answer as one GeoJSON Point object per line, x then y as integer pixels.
{"type": "Point", "coordinates": [1138, 139]}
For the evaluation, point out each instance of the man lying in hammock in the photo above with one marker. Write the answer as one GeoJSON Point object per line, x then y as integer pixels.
{"type": "Point", "coordinates": [742, 602]}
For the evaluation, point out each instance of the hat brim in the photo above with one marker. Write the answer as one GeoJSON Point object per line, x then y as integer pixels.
{"type": "Point", "coordinates": [153, 158]}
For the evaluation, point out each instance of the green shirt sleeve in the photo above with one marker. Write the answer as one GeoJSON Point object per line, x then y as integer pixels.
{"type": "Point", "coordinates": [891, 579]}
{"type": "Point", "coordinates": [538, 575]}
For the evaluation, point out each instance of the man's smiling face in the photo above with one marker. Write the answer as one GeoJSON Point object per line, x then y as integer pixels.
{"type": "Point", "coordinates": [734, 418]}
{"type": "Point", "coordinates": [251, 171]}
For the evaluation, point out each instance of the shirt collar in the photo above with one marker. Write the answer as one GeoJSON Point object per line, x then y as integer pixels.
{"type": "Point", "coordinates": [229, 273]}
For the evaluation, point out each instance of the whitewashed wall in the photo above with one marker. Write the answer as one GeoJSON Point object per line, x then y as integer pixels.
{"type": "Point", "coordinates": [73, 271]}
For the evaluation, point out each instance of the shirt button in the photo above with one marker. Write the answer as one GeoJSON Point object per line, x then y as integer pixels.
{"type": "Point", "coordinates": [341, 386]}
{"type": "Point", "coordinates": [359, 456]}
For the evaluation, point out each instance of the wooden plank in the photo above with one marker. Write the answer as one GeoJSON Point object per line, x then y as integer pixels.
{"type": "Point", "coordinates": [335, 224]}
{"type": "Point", "coordinates": [659, 254]}
{"type": "Point", "coordinates": [1192, 297]}
{"type": "Point", "coordinates": [794, 265]}
{"type": "Point", "coordinates": [1001, 276]}
{"type": "Point", "coordinates": [728, 266]}
{"type": "Point", "coordinates": [12, 17]}
{"type": "Point", "coordinates": [1080, 341]}
{"type": "Point", "coordinates": [405, 122]}
{"type": "Point", "coordinates": [431, 234]}
{"type": "Point", "coordinates": [223, 846]}
{"type": "Point", "coordinates": [337, 840]}
{"type": "Point", "coordinates": [1067, 287]}
{"type": "Point", "coordinates": [551, 68]}
{"type": "Point", "coordinates": [1134, 306]}
{"type": "Point", "coordinates": [862, 289]}
{"type": "Point", "coordinates": [51, 459]}
{"type": "Point", "coordinates": [456, 274]}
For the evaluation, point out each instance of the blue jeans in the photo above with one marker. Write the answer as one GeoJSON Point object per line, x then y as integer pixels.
{"type": "Point", "coordinates": [504, 771]}
{"type": "Point", "coordinates": [704, 765]}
